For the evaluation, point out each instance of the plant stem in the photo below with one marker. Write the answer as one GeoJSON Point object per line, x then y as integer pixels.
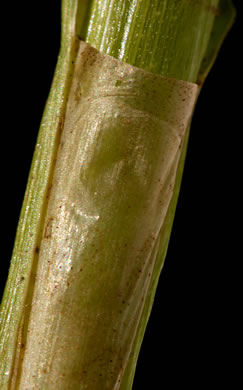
{"type": "Point", "coordinates": [168, 37]}
{"type": "Point", "coordinates": [165, 37]}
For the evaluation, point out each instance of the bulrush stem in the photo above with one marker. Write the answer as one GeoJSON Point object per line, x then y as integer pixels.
{"type": "Point", "coordinates": [167, 37]}
{"type": "Point", "coordinates": [103, 188]}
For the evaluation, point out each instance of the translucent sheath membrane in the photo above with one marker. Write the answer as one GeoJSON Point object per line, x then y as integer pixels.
{"type": "Point", "coordinates": [114, 179]}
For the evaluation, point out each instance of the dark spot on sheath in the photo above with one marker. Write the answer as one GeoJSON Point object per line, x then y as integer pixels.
{"type": "Point", "coordinates": [37, 250]}
{"type": "Point", "coordinates": [48, 191]}
{"type": "Point", "coordinates": [61, 122]}
{"type": "Point", "coordinates": [48, 229]}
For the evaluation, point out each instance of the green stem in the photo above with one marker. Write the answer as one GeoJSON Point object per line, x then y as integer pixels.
{"type": "Point", "coordinates": [169, 37]}
{"type": "Point", "coordinates": [165, 37]}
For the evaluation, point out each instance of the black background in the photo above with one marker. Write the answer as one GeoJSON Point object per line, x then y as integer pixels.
{"type": "Point", "coordinates": [190, 338]}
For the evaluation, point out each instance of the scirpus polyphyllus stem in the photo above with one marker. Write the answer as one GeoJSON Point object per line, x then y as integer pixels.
{"type": "Point", "coordinates": [102, 191]}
